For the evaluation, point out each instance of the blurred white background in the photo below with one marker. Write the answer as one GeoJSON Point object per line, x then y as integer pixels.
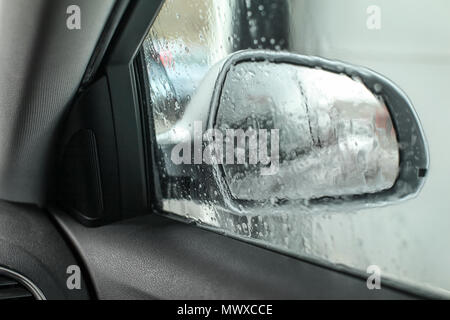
{"type": "Point", "coordinates": [412, 48]}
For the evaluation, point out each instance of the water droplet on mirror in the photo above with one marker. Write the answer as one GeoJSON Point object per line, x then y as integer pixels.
{"type": "Point", "coordinates": [378, 87]}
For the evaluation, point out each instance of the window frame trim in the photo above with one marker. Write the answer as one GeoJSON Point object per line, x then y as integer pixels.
{"type": "Point", "coordinates": [126, 103]}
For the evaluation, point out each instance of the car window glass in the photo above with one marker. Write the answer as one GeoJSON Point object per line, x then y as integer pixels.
{"type": "Point", "coordinates": [406, 41]}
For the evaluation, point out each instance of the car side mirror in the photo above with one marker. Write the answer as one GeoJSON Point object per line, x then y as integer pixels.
{"type": "Point", "coordinates": [285, 127]}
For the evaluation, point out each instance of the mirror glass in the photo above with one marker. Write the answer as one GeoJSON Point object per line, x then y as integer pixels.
{"type": "Point", "coordinates": [294, 132]}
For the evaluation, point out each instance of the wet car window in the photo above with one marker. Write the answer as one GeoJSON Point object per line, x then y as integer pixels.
{"type": "Point", "coordinates": [404, 241]}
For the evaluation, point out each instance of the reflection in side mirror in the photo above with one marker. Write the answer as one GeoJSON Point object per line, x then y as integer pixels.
{"type": "Point", "coordinates": [336, 138]}
{"type": "Point", "coordinates": [277, 127]}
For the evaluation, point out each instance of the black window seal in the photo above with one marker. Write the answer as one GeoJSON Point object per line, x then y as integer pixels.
{"type": "Point", "coordinates": [104, 41]}
{"type": "Point", "coordinates": [126, 101]}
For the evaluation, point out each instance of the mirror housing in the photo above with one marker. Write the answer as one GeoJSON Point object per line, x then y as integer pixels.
{"type": "Point", "coordinates": [407, 146]}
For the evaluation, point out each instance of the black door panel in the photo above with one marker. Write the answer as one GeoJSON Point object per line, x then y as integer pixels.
{"type": "Point", "coordinates": [153, 257]}
{"type": "Point", "coordinates": [31, 245]}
